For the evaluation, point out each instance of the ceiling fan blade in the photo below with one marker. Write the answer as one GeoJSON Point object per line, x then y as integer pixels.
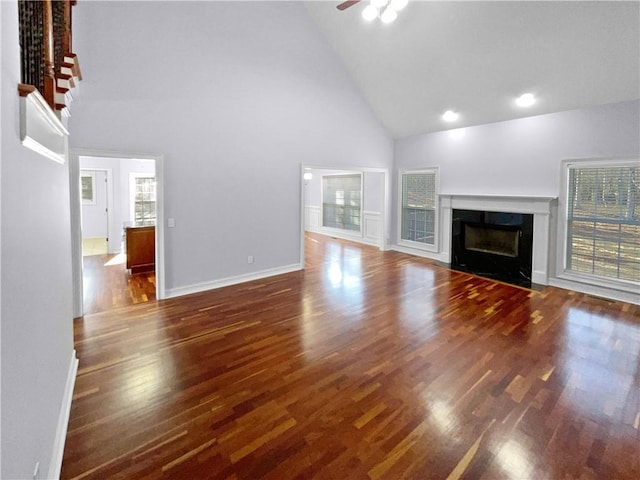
{"type": "Point", "coordinates": [347, 4]}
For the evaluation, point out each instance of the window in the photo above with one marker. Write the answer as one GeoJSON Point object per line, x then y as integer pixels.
{"type": "Point", "coordinates": [418, 208]}
{"type": "Point", "coordinates": [144, 200]}
{"type": "Point", "coordinates": [88, 188]}
{"type": "Point", "coordinates": [341, 201]}
{"type": "Point", "coordinates": [603, 220]}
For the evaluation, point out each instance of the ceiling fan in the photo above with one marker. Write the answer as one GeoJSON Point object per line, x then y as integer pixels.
{"type": "Point", "coordinates": [347, 4]}
{"type": "Point", "coordinates": [385, 10]}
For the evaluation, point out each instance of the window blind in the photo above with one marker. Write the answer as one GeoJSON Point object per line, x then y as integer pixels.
{"type": "Point", "coordinates": [603, 222]}
{"type": "Point", "coordinates": [341, 201]}
{"type": "Point", "coordinates": [145, 201]}
{"type": "Point", "coordinates": [418, 207]}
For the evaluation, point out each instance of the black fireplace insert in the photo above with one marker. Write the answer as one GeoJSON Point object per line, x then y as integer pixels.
{"type": "Point", "coordinates": [496, 245]}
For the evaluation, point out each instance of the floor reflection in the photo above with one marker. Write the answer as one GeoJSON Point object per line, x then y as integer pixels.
{"type": "Point", "coordinates": [343, 271]}
{"type": "Point", "coordinates": [342, 287]}
{"type": "Point", "coordinates": [148, 381]}
{"type": "Point", "coordinates": [599, 364]}
{"type": "Point", "coordinates": [417, 309]}
{"type": "Point", "coordinates": [515, 459]}
{"type": "Point", "coordinates": [367, 364]}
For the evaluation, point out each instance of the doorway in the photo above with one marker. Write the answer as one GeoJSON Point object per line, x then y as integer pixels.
{"type": "Point", "coordinates": [94, 191]}
{"type": "Point", "coordinates": [133, 190]}
{"type": "Point", "coordinates": [373, 199]}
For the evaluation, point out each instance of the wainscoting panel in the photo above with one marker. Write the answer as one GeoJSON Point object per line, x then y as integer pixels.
{"type": "Point", "coordinates": [312, 218]}
{"type": "Point", "coordinates": [371, 226]}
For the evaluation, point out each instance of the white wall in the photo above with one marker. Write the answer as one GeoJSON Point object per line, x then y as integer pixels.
{"type": "Point", "coordinates": [236, 96]}
{"type": "Point", "coordinates": [521, 157]}
{"type": "Point", "coordinates": [37, 336]}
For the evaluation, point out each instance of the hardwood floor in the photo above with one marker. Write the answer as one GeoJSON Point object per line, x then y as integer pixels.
{"type": "Point", "coordinates": [108, 285]}
{"type": "Point", "coordinates": [367, 364]}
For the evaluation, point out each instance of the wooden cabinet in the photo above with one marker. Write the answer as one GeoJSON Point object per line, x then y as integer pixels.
{"type": "Point", "coordinates": [141, 248]}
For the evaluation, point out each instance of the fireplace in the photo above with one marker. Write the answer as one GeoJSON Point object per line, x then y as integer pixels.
{"type": "Point", "coordinates": [491, 239]}
{"type": "Point", "coordinates": [496, 245]}
{"type": "Point", "coordinates": [540, 207]}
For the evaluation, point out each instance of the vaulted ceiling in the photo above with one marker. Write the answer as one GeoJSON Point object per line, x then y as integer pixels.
{"type": "Point", "coordinates": [475, 58]}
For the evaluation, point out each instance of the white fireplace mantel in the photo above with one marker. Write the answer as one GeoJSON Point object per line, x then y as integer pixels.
{"type": "Point", "coordinates": [539, 206]}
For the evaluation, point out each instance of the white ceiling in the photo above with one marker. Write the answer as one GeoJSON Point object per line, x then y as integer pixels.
{"type": "Point", "coordinates": [476, 57]}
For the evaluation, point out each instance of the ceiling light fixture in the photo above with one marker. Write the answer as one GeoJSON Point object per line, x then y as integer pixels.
{"type": "Point", "coordinates": [525, 100]}
{"type": "Point", "coordinates": [385, 10]}
{"type": "Point", "coordinates": [450, 116]}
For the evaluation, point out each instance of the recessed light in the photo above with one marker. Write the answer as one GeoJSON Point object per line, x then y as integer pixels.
{"type": "Point", "coordinates": [450, 116]}
{"type": "Point", "coordinates": [525, 100]}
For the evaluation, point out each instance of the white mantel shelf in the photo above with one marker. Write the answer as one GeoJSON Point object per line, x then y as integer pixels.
{"type": "Point", "coordinates": [515, 203]}
{"type": "Point", "coordinates": [539, 206]}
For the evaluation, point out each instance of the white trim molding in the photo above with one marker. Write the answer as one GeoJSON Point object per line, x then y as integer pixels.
{"type": "Point", "coordinates": [40, 128]}
{"type": "Point", "coordinates": [539, 206]}
{"type": "Point", "coordinates": [76, 233]}
{"type": "Point", "coordinates": [63, 419]}
{"type": "Point", "coordinates": [226, 282]}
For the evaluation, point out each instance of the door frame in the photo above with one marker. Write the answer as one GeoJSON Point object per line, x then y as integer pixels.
{"type": "Point", "coordinates": [386, 207]}
{"type": "Point", "coordinates": [76, 224]}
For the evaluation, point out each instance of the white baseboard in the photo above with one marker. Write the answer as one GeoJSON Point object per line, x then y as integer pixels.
{"type": "Point", "coordinates": [539, 277]}
{"type": "Point", "coordinates": [345, 236]}
{"type": "Point", "coordinates": [598, 291]}
{"type": "Point", "coordinates": [420, 253]}
{"type": "Point", "coordinates": [225, 282]}
{"type": "Point", "coordinates": [63, 419]}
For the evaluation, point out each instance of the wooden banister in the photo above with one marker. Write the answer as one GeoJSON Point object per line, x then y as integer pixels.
{"type": "Point", "coordinates": [25, 89]}
{"type": "Point", "coordinates": [49, 59]}
{"type": "Point", "coordinates": [45, 43]}
{"type": "Point", "coordinates": [66, 39]}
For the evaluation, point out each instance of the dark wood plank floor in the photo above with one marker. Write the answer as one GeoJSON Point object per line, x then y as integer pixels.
{"type": "Point", "coordinates": [365, 365]}
{"type": "Point", "coordinates": [109, 285]}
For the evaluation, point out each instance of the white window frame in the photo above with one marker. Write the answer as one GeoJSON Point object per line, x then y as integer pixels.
{"type": "Point", "coordinates": [132, 194]}
{"type": "Point", "coordinates": [342, 231]}
{"type": "Point", "coordinates": [436, 220]}
{"type": "Point", "coordinates": [92, 175]}
{"type": "Point", "coordinates": [563, 212]}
